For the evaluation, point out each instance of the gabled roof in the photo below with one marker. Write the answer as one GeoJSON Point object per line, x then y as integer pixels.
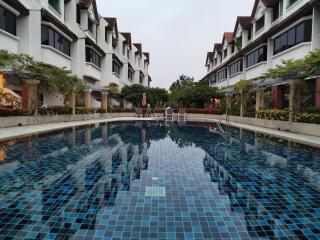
{"type": "Point", "coordinates": [127, 36]}
{"type": "Point", "coordinates": [217, 47]}
{"type": "Point", "coordinates": [228, 36]}
{"type": "Point", "coordinates": [87, 3]}
{"type": "Point", "coordinates": [244, 22]}
{"type": "Point", "coordinates": [139, 47]}
{"type": "Point", "coordinates": [267, 3]}
{"type": "Point", "coordinates": [147, 57]}
{"type": "Point", "coordinates": [112, 24]}
{"type": "Point", "coordinates": [209, 57]}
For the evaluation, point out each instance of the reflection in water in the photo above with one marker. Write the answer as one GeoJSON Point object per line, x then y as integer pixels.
{"type": "Point", "coordinates": [61, 184]}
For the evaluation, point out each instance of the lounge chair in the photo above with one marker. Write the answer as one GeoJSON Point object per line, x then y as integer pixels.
{"type": "Point", "coordinates": [169, 114]}
{"type": "Point", "coordinates": [182, 115]}
{"type": "Point", "coordinates": [139, 112]}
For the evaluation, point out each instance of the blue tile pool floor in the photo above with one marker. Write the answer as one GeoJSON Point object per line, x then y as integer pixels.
{"type": "Point", "coordinates": [147, 180]}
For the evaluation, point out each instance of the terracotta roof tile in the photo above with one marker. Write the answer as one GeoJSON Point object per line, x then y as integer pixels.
{"type": "Point", "coordinates": [147, 56]}
{"type": "Point", "coordinates": [112, 24]}
{"type": "Point", "coordinates": [87, 4]}
{"type": "Point", "coordinates": [127, 36]}
{"type": "Point", "coordinates": [139, 47]}
{"type": "Point", "coordinates": [228, 36]}
{"type": "Point", "coordinates": [217, 47]}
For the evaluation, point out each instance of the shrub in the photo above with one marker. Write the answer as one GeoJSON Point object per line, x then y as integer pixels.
{"type": "Point", "coordinates": [307, 117]}
{"type": "Point", "coordinates": [55, 110]}
{"type": "Point", "coordinates": [101, 110]}
{"type": "Point", "coordinates": [312, 110]}
{"type": "Point", "coordinates": [84, 110]}
{"type": "Point", "coordinates": [6, 112]}
{"type": "Point", "coordinates": [122, 110]}
{"type": "Point", "coordinates": [273, 114]}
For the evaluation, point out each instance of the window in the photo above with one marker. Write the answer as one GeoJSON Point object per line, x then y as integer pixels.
{"type": "Point", "coordinates": [78, 14]}
{"type": "Point", "coordinates": [52, 38]}
{"type": "Point", "coordinates": [222, 75]}
{"type": "Point", "coordinates": [250, 33]}
{"type": "Point", "coordinates": [7, 21]}
{"type": "Point", "coordinates": [260, 24]}
{"type": "Point", "coordinates": [130, 74]}
{"type": "Point", "coordinates": [93, 57]}
{"type": "Point", "coordinates": [215, 61]}
{"type": "Point", "coordinates": [225, 53]}
{"type": "Point", "coordinates": [55, 4]}
{"type": "Point", "coordinates": [106, 33]}
{"type": "Point", "coordinates": [291, 2]}
{"type": "Point", "coordinates": [232, 48]}
{"type": "Point", "coordinates": [296, 35]}
{"type": "Point", "coordinates": [116, 66]}
{"type": "Point", "coordinates": [128, 52]}
{"type": "Point", "coordinates": [141, 77]}
{"type": "Point", "coordinates": [236, 67]}
{"type": "Point", "coordinates": [277, 10]}
{"type": "Point", "coordinates": [90, 25]}
{"type": "Point", "coordinates": [212, 80]}
{"type": "Point", "coordinates": [123, 49]}
{"type": "Point", "coordinates": [114, 42]}
{"type": "Point", "coordinates": [257, 56]}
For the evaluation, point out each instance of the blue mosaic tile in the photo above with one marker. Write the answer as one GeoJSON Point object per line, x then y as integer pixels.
{"type": "Point", "coordinates": [90, 183]}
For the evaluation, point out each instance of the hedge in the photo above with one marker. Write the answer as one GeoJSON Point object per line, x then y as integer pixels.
{"type": "Point", "coordinates": [273, 114]}
{"type": "Point", "coordinates": [307, 117]}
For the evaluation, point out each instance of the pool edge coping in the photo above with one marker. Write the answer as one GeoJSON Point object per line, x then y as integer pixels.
{"type": "Point", "coordinates": [30, 130]}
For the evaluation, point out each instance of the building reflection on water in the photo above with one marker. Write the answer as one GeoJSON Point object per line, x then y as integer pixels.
{"type": "Point", "coordinates": [262, 180]}
{"type": "Point", "coordinates": [58, 183]}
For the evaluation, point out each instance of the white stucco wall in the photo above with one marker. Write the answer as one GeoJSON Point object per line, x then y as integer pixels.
{"type": "Point", "coordinates": [235, 78]}
{"type": "Point", "coordinates": [51, 56]}
{"type": "Point", "coordinates": [91, 70]}
{"type": "Point", "coordinates": [255, 71]}
{"type": "Point", "coordinates": [296, 52]}
{"type": "Point", "coordinates": [9, 42]}
{"type": "Point", "coordinates": [53, 99]}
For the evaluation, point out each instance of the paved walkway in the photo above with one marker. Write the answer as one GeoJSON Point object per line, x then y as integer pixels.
{"type": "Point", "coordinates": [295, 137]}
{"type": "Point", "coordinates": [15, 132]}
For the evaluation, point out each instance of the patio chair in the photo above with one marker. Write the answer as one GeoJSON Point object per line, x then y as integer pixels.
{"type": "Point", "coordinates": [169, 114]}
{"type": "Point", "coordinates": [148, 112]}
{"type": "Point", "coordinates": [182, 115]}
{"type": "Point", "coordinates": [138, 111]}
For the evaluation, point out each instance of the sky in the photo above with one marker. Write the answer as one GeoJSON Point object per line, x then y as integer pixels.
{"type": "Point", "coordinates": [177, 33]}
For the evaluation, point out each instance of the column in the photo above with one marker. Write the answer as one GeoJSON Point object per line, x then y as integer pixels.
{"type": "Point", "coordinates": [277, 96]}
{"type": "Point", "coordinates": [294, 99]}
{"type": "Point", "coordinates": [87, 98]}
{"type": "Point", "coordinates": [243, 100]}
{"type": "Point", "coordinates": [87, 137]}
{"type": "Point", "coordinates": [30, 96]}
{"type": "Point", "coordinates": [72, 102]}
{"type": "Point", "coordinates": [317, 98]}
{"type": "Point", "coordinates": [104, 100]}
{"type": "Point", "coordinates": [259, 99]}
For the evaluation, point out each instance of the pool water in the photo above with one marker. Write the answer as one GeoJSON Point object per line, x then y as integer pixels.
{"type": "Point", "coordinates": [149, 180]}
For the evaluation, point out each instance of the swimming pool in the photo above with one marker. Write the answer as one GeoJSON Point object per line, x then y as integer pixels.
{"type": "Point", "coordinates": [144, 180]}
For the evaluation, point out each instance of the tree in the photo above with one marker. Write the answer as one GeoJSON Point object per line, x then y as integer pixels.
{"type": "Point", "coordinates": [51, 78]}
{"type": "Point", "coordinates": [184, 92]}
{"type": "Point", "coordinates": [133, 94]}
{"type": "Point", "coordinates": [155, 96]}
{"type": "Point", "coordinates": [182, 82]}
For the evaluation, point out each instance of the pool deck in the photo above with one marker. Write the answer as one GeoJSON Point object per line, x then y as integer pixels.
{"type": "Point", "coordinates": [16, 132]}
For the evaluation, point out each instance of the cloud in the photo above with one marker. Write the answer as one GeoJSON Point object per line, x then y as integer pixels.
{"type": "Point", "coordinates": [177, 33]}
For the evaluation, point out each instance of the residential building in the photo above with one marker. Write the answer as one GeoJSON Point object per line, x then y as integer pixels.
{"type": "Point", "coordinates": [277, 30]}
{"type": "Point", "coordinates": [72, 34]}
